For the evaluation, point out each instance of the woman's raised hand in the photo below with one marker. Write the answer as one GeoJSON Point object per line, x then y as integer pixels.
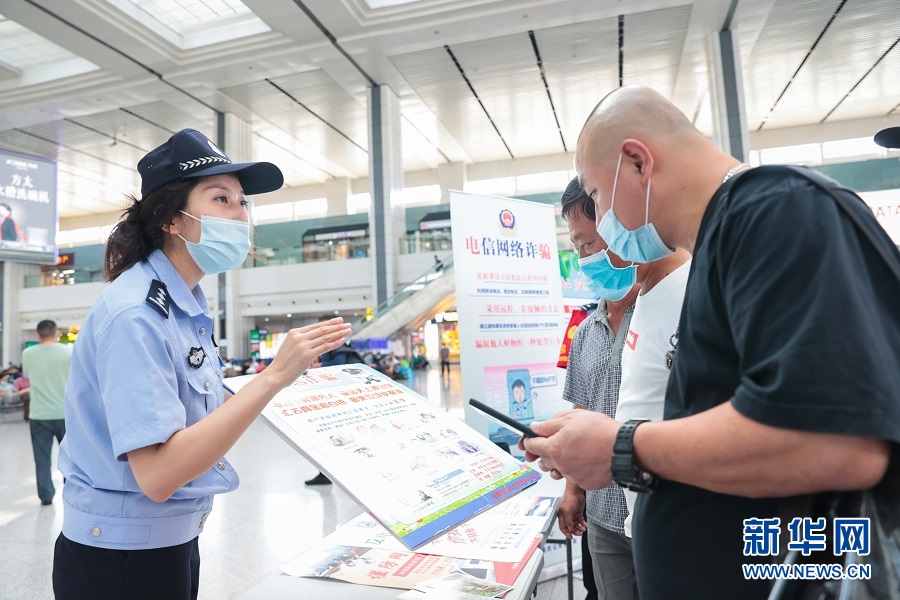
{"type": "Point", "coordinates": [301, 346]}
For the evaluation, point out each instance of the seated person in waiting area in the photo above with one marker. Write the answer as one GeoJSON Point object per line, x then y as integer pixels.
{"type": "Point", "coordinates": [8, 393]}
{"type": "Point", "coordinates": [779, 387]}
{"type": "Point", "coordinates": [23, 387]}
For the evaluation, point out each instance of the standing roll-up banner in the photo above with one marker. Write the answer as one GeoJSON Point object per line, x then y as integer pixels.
{"type": "Point", "coordinates": [510, 304]}
{"type": "Point", "coordinates": [509, 296]}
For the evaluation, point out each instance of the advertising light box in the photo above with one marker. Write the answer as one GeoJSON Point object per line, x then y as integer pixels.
{"type": "Point", "coordinates": [28, 211]}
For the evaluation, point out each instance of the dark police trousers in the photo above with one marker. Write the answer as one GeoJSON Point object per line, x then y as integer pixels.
{"type": "Point", "coordinates": [83, 572]}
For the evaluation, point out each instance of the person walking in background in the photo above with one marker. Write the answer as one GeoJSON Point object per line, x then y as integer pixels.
{"type": "Point", "coordinates": [47, 366]}
{"type": "Point", "coordinates": [445, 360]}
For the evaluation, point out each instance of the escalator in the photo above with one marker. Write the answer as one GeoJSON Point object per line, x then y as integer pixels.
{"type": "Point", "coordinates": [432, 292]}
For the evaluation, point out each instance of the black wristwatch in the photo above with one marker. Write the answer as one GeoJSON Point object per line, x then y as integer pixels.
{"type": "Point", "coordinates": [625, 471]}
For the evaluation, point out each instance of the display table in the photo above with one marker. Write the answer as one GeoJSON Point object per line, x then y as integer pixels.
{"type": "Point", "coordinates": [281, 586]}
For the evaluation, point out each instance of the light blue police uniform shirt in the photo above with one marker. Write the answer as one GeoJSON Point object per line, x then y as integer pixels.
{"type": "Point", "coordinates": [131, 385]}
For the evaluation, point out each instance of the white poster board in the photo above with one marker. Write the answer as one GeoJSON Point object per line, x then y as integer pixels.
{"type": "Point", "coordinates": [416, 469]}
{"type": "Point", "coordinates": [510, 305]}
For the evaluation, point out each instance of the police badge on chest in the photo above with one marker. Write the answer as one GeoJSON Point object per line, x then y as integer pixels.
{"type": "Point", "coordinates": [196, 357]}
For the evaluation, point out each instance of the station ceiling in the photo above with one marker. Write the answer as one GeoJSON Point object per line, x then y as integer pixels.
{"type": "Point", "coordinates": [96, 84]}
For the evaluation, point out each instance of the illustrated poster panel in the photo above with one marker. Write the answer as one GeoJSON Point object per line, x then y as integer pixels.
{"type": "Point", "coordinates": [415, 468]}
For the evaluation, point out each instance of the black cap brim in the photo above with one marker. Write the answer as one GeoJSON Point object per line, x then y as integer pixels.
{"type": "Point", "coordinates": [889, 138]}
{"type": "Point", "coordinates": [255, 178]}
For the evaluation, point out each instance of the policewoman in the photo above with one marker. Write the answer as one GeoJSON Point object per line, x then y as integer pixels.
{"type": "Point", "coordinates": [148, 425]}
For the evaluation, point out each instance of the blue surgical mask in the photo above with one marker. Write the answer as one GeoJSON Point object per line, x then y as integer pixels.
{"type": "Point", "coordinates": [642, 245]}
{"type": "Point", "coordinates": [605, 280]}
{"type": "Point", "coordinates": [224, 244]}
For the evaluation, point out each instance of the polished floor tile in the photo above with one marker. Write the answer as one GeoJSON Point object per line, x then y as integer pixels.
{"type": "Point", "coordinates": [444, 391]}
{"type": "Point", "coordinates": [251, 532]}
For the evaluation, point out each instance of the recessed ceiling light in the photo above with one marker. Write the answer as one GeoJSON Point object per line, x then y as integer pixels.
{"type": "Point", "coordinates": [289, 315]}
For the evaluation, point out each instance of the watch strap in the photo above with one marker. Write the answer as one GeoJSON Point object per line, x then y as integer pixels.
{"type": "Point", "coordinates": [625, 471]}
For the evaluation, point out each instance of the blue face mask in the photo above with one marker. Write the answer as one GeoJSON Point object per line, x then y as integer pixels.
{"type": "Point", "coordinates": [642, 245]}
{"type": "Point", "coordinates": [224, 244]}
{"type": "Point", "coordinates": [605, 280]}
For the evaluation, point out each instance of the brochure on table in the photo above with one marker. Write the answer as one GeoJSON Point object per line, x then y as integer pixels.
{"type": "Point", "coordinates": [396, 569]}
{"type": "Point", "coordinates": [416, 469]}
{"type": "Point", "coordinates": [504, 538]}
{"type": "Point", "coordinates": [504, 533]}
{"type": "Point", "coordinates": [456, 586]}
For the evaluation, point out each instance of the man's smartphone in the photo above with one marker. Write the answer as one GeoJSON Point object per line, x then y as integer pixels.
{"type": "Point", "coordinates": [502, 419]}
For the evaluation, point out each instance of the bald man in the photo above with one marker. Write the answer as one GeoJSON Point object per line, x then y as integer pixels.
{"type": "Point", "coordinates": [784, 379]}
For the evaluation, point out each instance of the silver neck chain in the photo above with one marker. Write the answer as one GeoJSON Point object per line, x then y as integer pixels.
{"type": "Point", "coordinates": [733, 171]}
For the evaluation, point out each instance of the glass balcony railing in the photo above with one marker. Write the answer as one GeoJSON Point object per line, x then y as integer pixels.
{"type": "Point", "coordinates": [309, 251]}
{"type": "Point", "coordinates": [426, 241]}
{"type": "Point", "coordinates": [305, 252]}
{"type": "Point", "coordinates": [64, 277]}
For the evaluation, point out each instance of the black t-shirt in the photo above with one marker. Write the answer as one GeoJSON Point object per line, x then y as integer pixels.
{"type": "Point", "coordinates": [792, 315]}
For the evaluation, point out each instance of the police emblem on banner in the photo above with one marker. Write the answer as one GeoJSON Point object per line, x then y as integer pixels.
{"type": "Point", "coordinates": [507, 222]}
{"type": "Point", "coordinates": [195, 357]}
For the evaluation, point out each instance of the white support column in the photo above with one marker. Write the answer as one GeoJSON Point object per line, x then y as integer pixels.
{"type": "Point", "coordinates": [337, 191]}
{"type": "Point", "coordinates": [727, 95]}
{"type": "Point", "coordinates": [236, 138]}
{"type": "Point", "coordinates": [451, 176]}
{"type": "Point", "coordinates": [13, 336]}
{"type": "Point", "coordinates": [386, 217]}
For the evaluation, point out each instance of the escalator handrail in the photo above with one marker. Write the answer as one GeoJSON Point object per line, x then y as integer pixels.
{"type": "Point", "coordinates": [424, 279]}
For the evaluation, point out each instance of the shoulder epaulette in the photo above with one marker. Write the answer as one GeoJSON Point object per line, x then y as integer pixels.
{"type": "Point", "coordinates": [158, 298]}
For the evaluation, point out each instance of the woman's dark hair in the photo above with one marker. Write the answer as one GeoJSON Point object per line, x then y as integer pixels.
{"type": "Point", "coordinates": [140, 232]}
